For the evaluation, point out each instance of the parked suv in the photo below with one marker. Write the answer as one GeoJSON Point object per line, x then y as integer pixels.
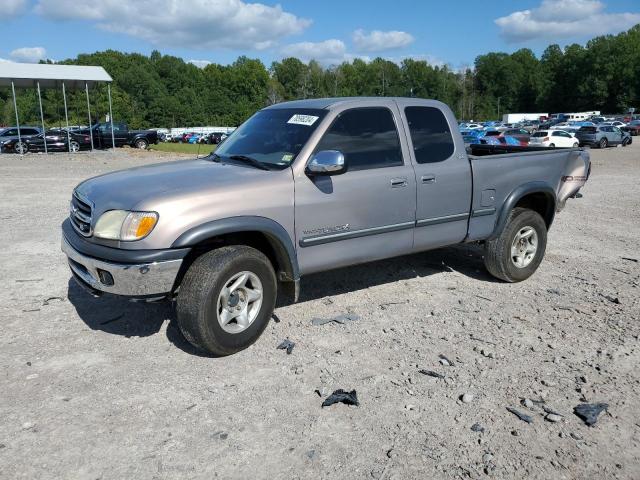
{"type": "Point", "coordinates": [602, 136]}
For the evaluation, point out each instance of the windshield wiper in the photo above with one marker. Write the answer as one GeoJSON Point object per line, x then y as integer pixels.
{"type": "Point", "coordinates": [250, 161]}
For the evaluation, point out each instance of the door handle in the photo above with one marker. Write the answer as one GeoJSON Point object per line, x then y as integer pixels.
{"type": "Point", "coordinates": [398, 182]}
{"type": "Point", "coordinates": [428, 179]}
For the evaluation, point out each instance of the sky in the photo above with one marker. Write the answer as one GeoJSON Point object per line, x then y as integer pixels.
{"type": "Point", "coordinates": [330, 31]}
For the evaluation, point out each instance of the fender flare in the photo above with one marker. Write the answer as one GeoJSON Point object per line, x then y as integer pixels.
{"type": "Point", "coordinates": [513, 198]}
{"type": "Point", "coordinates": [275, 233]}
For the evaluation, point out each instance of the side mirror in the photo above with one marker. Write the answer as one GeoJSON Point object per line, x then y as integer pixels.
{"type": "Point", "coordinates": [327, 162]}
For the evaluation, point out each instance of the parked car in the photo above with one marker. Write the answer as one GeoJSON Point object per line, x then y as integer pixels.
{"type": "Point", "coordinates": [633, 127]}
{"type": "Point", "coordinates": [9, 134]}
{"type": "Point", "coordinates": [121, 134]}
{"type": "Point", "coordinates": [215, 138]}
{"type": "Point", "coordinates": [520, 133]}
{"type": "Point", "coordinates": [603, 136]}
{"type": "Point", "coordinates": [614, 123]}
{"type": "Point", "coordinates": [324, 183]}
{"type": "Point", "coordinates": [553, 139]}
{"type": "Point", "coordinates": [57, 141]}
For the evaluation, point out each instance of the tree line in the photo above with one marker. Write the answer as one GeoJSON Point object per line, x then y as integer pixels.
{"type": "Point", "coordinates": [165, 91]}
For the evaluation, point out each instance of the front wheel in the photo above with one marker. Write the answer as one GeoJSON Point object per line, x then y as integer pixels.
{"type": "Point", "coordinates": [21, 148]}
{"type": "Point", "coordinates": [517, 252]}
{"type": "Point", "coordinates": [552, 145]}
{"type": "Point", "coordinates": [226, 299]}
{"type": "Point", "coordinates": [603, 143]}
{"type": "Point", "coordinates": [576, 145]}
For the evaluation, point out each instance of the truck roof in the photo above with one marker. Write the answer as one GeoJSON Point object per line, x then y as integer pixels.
{"type": "Point", "coordinates": [327, 103]}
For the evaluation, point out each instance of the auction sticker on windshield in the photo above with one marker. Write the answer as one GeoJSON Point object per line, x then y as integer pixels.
{"type": "Point", "coordinates": [299, 119]}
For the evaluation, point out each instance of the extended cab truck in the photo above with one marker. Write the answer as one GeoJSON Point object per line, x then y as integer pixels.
{"type": "Point", "coordinates": [121, 135]}
{"type": "Point", "coordinates": [303, 187]}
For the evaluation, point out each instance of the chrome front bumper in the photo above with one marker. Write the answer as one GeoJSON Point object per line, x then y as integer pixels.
{"type": "Point", "coordinates": [141, 280]}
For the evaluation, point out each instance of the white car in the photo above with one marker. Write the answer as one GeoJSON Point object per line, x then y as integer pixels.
{"type": "Point", "coordinates": [471, 126]}
{"type": "Point", "coordinates": [553, 138]}
{"type": "Point", "coordinates": [615, 123]}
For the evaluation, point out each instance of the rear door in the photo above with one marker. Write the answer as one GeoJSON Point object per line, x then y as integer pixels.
{"type": "Point", "coordinates": [443, 174]}
{"type": "Point", "coordinates": [368, 212]}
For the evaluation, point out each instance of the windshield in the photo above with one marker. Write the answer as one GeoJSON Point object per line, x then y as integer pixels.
{"type": "Point", "coordinates": [274, 136]}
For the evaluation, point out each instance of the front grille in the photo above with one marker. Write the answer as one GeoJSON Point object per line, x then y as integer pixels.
{"type": "Point", "coordinates": [80, 215]}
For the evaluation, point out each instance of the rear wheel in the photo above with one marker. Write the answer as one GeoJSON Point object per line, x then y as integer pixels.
{"type": "Point", "coordinates": [603, 143]}
{"type": "Point", "coordinates": [576, 145]}
{"type": "Point", "coordinates": [74, 147]}
{"type": "Point", "coordinates": [226, 299]}
{"type": "Point", "coordinates": [142, 144]}
{"type": "Point", "coordinates": [517, 252]}
{"type": "Point", "coordinates": [552, 145]}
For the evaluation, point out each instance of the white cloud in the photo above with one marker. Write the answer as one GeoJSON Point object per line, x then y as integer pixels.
{"type": "Point", "coordinates": [200, 63]}
{"type": "Point", "coordinates": [198, 24]}
{"type": "Point", "coordinates": [28, 54]}
{"type": "Point", "coordinates": [564, 18]}
{"type": "Point", "coordinates": [377, 40]}
{"type": "Point", "coordinates": [13, 8]}
{"type": "Point", "coordinates": [327, 52]}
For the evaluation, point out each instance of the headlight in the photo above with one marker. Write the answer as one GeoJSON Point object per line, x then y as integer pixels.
{"type": "Point", "coordinates": [124, 225]}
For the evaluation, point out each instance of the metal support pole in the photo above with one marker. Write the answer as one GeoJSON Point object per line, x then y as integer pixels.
{"type": "Point", "coordinates": [15, 107]}
{"type": "Point", "coordinates": [66, 116]}
{"type": "Point", "coordinates": [86, 89]}
{"type": "Point", "coordinates": [44, 132]}
{"type": "Point", "coordinates": [113, 137]}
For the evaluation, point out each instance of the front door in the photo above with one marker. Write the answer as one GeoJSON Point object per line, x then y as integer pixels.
{"type": "Point", "coordinates": [443, 175]}
{"type": "Point", "coordinates": [366, 213]}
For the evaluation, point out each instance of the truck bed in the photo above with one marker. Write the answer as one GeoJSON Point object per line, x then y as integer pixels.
{"type": "Point", "coordinates": [498, 171]}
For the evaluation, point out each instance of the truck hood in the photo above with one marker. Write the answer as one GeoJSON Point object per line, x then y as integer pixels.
{"type": "Point", "coordinates": [139, 188]}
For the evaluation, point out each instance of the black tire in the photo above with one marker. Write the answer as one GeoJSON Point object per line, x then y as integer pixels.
{"type": "Point", "coordinates": [497, 252]}
{"type": "Point", "coordinates": [197, 303]}
{"type": "Point", "coordinates": [603, 142]}
{"type": "Point", "coordinates": [626, 141]}
{"type": "Point", "coordinates": [141, 143]}
{"type": "Point", "coordinates": [552, 145]}
{"type": "Point", "coordinates": [21, 148]}
{"type": "Point", "coordinates": [576, 145]}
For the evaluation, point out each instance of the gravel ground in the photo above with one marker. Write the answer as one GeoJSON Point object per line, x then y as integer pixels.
{"type": "Point", "coordinates": [104, 388]}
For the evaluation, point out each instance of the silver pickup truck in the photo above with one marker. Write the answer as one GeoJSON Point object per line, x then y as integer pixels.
{"type": "Point", "coordinates": [307, 186]}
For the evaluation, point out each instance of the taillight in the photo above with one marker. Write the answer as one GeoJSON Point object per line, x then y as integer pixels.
{"type": "Point", "coordinates": [545, 139]}
{"type": "Point", "coordinates": [86, 139]}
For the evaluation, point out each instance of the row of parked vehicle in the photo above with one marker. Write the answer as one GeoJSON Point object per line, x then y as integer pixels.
{"type": "Point", "coordinates": [596, 132]}
{"type": "Point", "coordinates": [213, 138]}
{"type": "Point", "coordinates": [32, 139]}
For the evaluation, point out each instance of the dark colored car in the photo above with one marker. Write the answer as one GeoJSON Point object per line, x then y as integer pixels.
{"type": "Point", "coordinates": [215, 138]}
{"type": "Point", "coordinates": [57, 141]}
{"type": "Point", "coordinates": [8, 134]}
{"type": "Point", "coordinates": [633, 127]}
{"type": "Point", "coordinates": [121, 134]}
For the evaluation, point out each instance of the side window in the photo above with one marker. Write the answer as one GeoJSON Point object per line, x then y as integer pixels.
{"type": "Point", "coordinates": [430, 134]}
{"type": "Point", "coordinates": [367, 137]}
{"type": "Point", "coordinates": [10, 133]}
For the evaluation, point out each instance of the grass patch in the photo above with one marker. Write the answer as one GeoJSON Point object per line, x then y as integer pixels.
{"type": "Point", "coordinates": [183, 148]}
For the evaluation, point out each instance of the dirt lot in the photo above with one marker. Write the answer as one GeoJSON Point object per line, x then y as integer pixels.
{"type": "Point", "coordinates": [107, 389]}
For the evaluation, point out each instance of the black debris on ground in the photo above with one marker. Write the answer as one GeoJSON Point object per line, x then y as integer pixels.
{"type": "Point", "coordinates": [431, 373]}
{"type": "Point", "coordinates": [341, 319]}
{"type": "Point", "coordinates": [589, 412]}
{"type": "Point", "coordinates": [628, 259]}
{"type": "Point", "coordinates": [50, 299]}
{"type": "Point", "coordinates": [342, 396]}
{"type": "Point", "coordinates": [448, 362]}
{"type": "Point", "coordinates": [522, 416]}
{"type": "Point", "coordinates": [286, 345]}
{"type": "Point", "coordinates": [476, 427]}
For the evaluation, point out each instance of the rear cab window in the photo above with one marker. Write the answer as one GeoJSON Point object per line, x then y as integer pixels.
{"type": "Point", "coordinates": [430, 134]}
{"type": "Point", "coordinates": [367, 137]}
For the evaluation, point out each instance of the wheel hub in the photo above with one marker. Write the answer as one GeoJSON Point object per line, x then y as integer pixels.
{"type": "Point", "coordinates": [524, 247]}
{"type": "Point", "coordinates": [239, 302]}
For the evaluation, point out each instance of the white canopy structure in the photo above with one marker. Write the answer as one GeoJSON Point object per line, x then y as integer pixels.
{"type": "Point", "coordinates": [29, 75]}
